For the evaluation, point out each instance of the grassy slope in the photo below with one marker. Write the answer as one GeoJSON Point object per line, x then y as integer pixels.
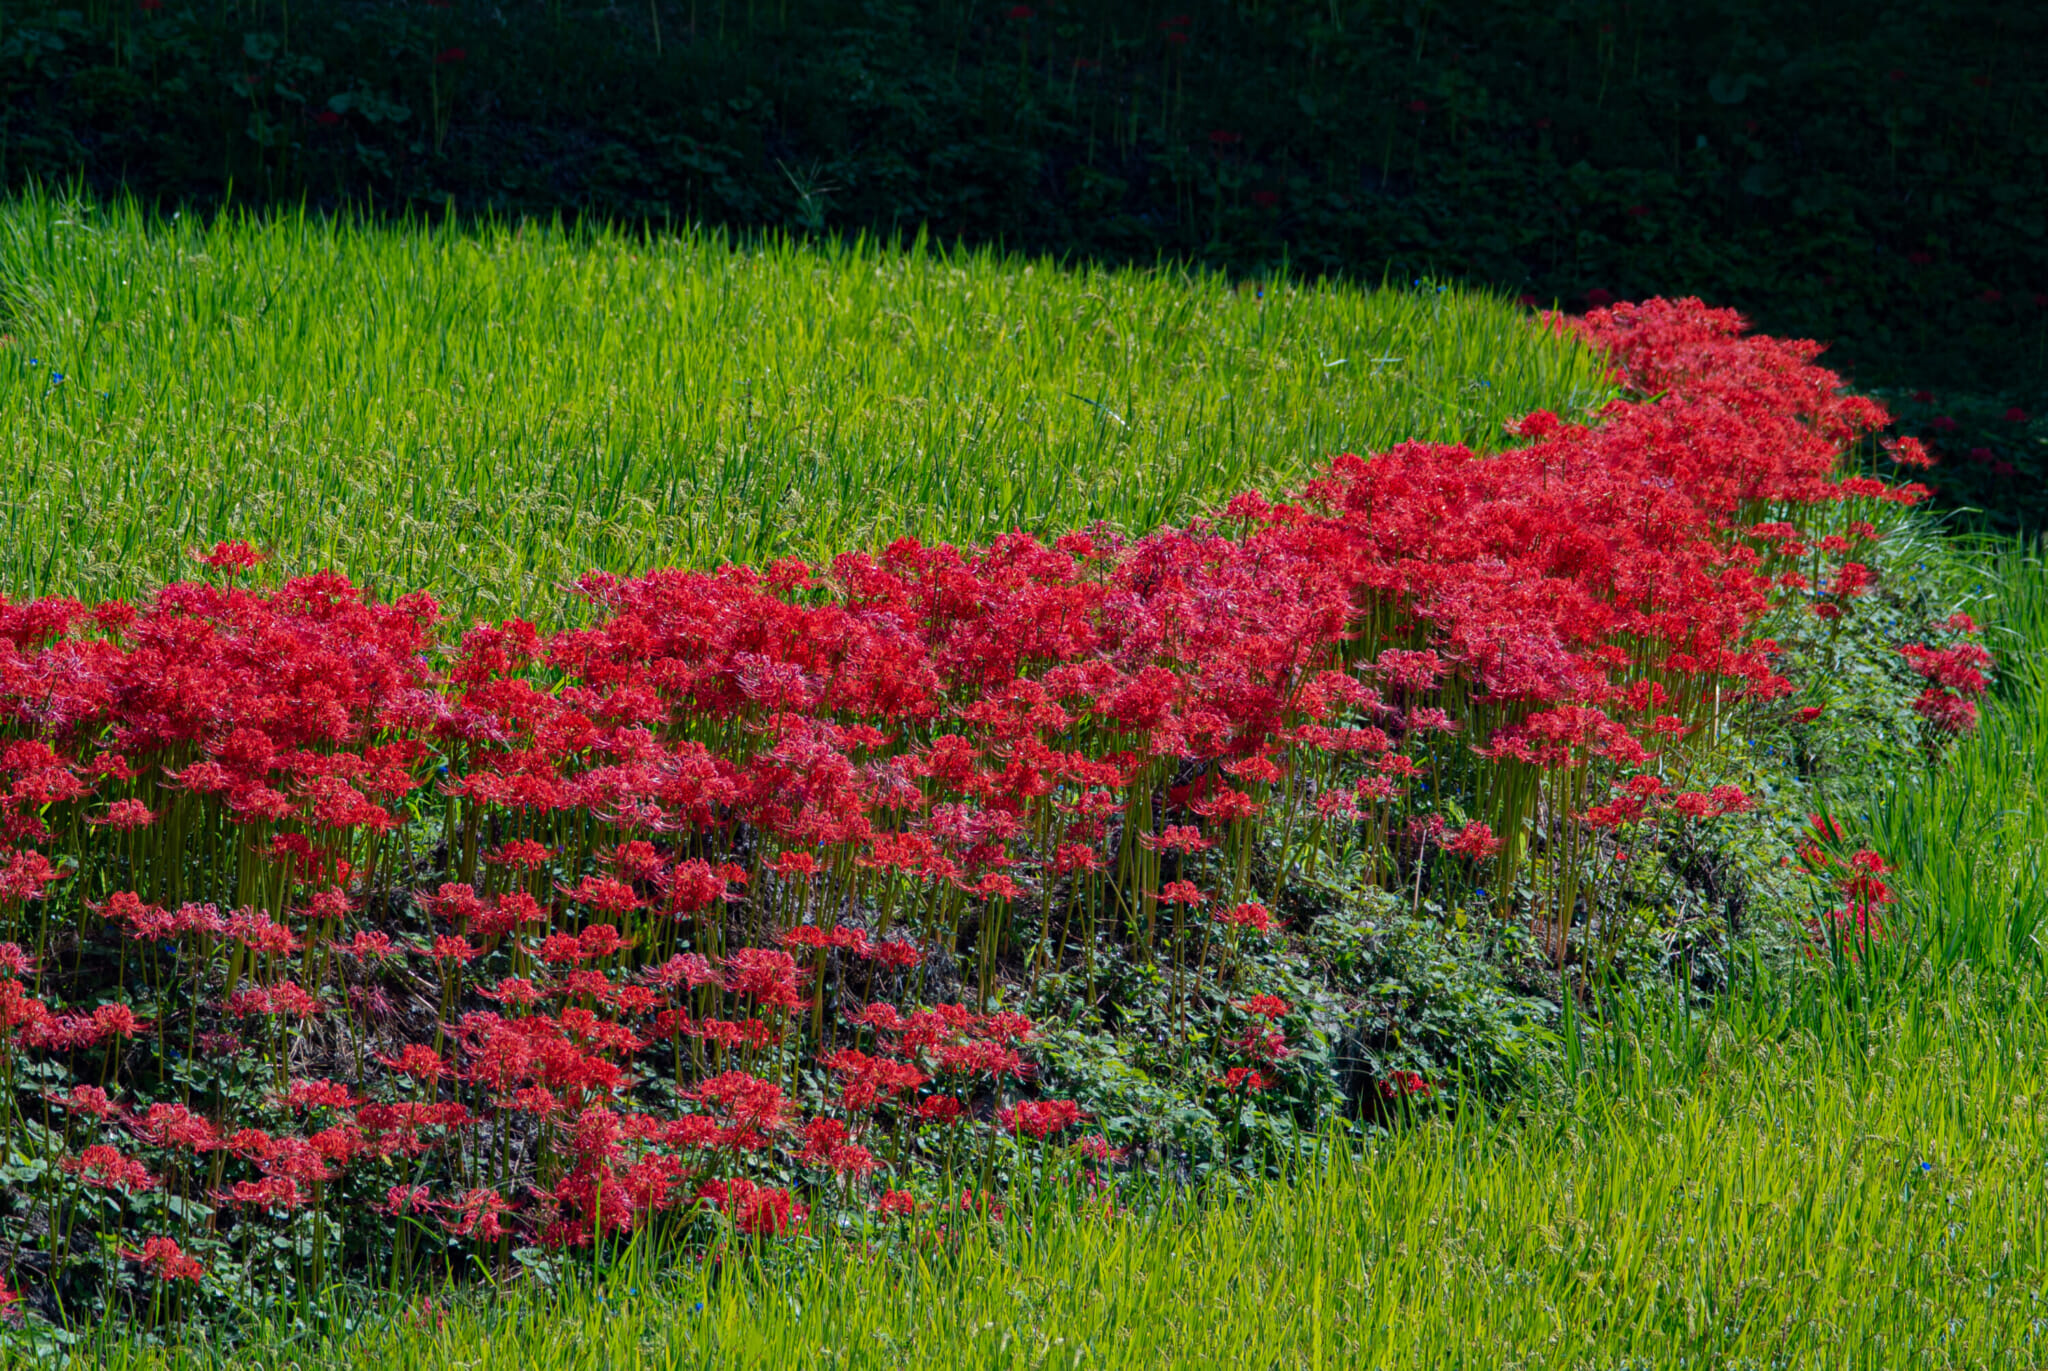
{"type": "Point", "coordinates": [1778, 1185]}
{"type": "Point", "coordinates": [490, 415]}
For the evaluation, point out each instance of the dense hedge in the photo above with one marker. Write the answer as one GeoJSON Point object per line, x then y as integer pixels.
{"type": "Point", "coordinates": [1839, 170]}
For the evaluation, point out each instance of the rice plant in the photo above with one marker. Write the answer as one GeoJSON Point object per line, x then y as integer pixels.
{"type": "Point", "coordinates": [493, 410]}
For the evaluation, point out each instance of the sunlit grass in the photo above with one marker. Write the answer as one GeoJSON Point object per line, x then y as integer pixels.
{"type": "Point", "coordinates": [490, 413]}
{"type": "Point", "coordinates": [1970, 842]}
{"type": "Point", "coordinates": [1807, 1203]}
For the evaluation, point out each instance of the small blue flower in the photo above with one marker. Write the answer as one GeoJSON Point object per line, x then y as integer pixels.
{"type": "Point", "coordinates": [56, 378]}
{"type": "Point", "coordinates": [1927, 1166]}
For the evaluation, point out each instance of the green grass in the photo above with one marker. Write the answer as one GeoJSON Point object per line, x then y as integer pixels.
{"type": "Point", "coordinates": [489, 413]}
{"type": "Point", "coordinates": [1971, 842]}
{"type": "Point", "coordinates": [1811, 1203]}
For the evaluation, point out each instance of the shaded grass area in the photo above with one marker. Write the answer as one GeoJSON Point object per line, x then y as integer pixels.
{"type": "Point", "coordinates": [1838, 1168]}
{"type": "Point", "coordinates": [489, 414]}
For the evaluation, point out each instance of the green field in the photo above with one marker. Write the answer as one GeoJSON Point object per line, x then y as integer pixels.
{"type": "Point", "coordinates": [489, 414]}
{"type": "Point", "coordinates": [1841, 1168]}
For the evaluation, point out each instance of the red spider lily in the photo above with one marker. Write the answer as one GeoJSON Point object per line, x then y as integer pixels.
{"type": "Point", "coordinates": [89, 1100]}
{"type": "Point", "coordinates": [1177, 838]}
{"type": "Point", "coordinates": [769, 978]}
{"type": "Point", "coordinates": [421, 1063]}
{"type": "Point", "coordinates": [896, 1204]}
{"type": "Point", "coordinates": [755, 1209]}
{"type": "Point", "coordinates": [170, 1262]}
{"type": "Point", "coordinates": [231, 557]}
{"type": "Point", "coordinates": [1040, 1118]}
{"type": "Point", "coordinates": [1098, 1150]}
{"type": "Point", "coordinates": [606, 894]}
{"type": "Point", "coordinates": [1405, 1083]}
{"type": "Point", "coordinates": [826, 1145]}
{"type": "Point", "coordinates": [899, 954]}
{"type": "Point", "coordinates": [1474, 840]}
{"type": "Point", "coordinates": [175, 1126]}
{"type": "Point", "coordinates": [941, 1109]}
{"type": "Point", "coordinates": [370, 946]}
{"type": "Point", "coordinates": [1246, 1078]}
{"type": "Point", "coordinates": [752, 1107]}
{"type": "Point", "coordinates": [117, 1021]}
{"type": "Point", "coordinates": [319, 1094]}
{"type": "Point", "coordinates": [452, 951]}
{"type": "Point", "coordinates": [871, 1081]}
{"type": "Point", "coordinates": [1266, 1045]}
{"type": "Point", "coordinates": [276, 1193]}
{"type": "Point", "coordinates": [522, 853]}
{"type": "Point", "coordinates": [27, 876]}
{"type": "Point", "coordinates": [126, 816]}
{"type": "Point", "coordinates": [1949, 713]}
{"type": "Point", "coordinates": [1960, 668]}
{"type": "Point", "coordinates": [1250, 915]}
{"type": "Point", "coordinates": [477, 1214]}
{"type": "Point", "coordinates": [401, 1200]}
{"type": "Point", "coordinates": [1266, 1006]}
{"type": "Point", "coordinates": [105, 1167]}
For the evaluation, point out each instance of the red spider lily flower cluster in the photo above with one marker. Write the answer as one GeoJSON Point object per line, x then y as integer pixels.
{"type": "Point", "coordinates": [1955, 677]}
{"type": "Point", "coordinates": [163, 1256]}
{"type": "Point", "coordinates": [1405, 1084]}
{"type": "Point", "coordinates": [614, 922]}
